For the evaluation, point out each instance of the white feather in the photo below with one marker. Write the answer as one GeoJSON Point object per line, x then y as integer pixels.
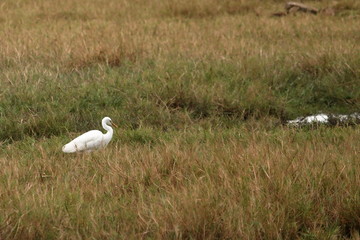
{"type": "Point", "coordinates": [91, 140]}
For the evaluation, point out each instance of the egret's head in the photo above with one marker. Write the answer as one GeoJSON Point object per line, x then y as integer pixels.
{"type": "Point", "coordinates": [109, 122]}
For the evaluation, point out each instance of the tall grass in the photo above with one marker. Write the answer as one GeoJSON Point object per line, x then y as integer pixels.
{"type": "Point", "coordinates": [200, 90]}
{"type": "Point", "coordinates": [199, 184]}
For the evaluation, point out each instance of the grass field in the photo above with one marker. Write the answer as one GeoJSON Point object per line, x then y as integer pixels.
{"type": "Point", "coordinates": [201, 91]}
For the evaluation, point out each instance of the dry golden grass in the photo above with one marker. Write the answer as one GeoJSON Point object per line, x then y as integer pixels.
{"type": "Point", "coordinates": [79, 34]}
{"type": "Point", "coordinates": [199, 185]}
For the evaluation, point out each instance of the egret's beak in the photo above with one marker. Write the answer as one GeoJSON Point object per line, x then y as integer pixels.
{"type": "Point", "coordinates": [114, 124]}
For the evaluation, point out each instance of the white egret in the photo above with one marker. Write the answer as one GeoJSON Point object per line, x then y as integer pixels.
{"type": "Point", "coordinates": [91, 140]}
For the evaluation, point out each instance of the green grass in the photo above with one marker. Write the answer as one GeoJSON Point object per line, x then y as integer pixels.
{"type": "Point", "coordinates": [200, 91]}
{"type": "Point", "coordinates": [170, 96]}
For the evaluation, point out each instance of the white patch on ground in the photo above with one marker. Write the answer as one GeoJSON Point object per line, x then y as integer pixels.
{"type": "Point", "coordinates": [325, 119]}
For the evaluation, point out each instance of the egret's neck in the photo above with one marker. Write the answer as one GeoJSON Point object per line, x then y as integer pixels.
{"type": "Point", "coordinates": [108, 135]}
{"type": "Point", "coordinates": [107, 127]}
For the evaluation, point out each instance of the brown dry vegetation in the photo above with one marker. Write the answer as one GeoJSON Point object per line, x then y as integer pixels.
{"type": "Point", "coordinates": [246, 184]}
{"type": "Point", "coordinates": [200, 89]}
{"type": "Point", "coordinates": [79, 34]}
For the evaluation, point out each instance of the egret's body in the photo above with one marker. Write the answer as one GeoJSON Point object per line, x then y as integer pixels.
{"type": "Point", "coordinates": [91, 140]}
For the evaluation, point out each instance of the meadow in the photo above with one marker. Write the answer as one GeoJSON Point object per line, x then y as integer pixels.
{"type": "Point", "coordinates": [201, 91]}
